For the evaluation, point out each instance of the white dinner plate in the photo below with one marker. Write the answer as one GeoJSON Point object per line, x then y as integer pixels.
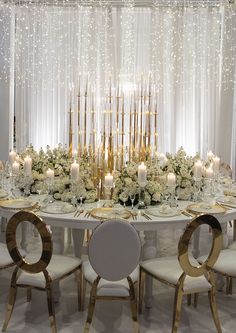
{"type": "Point", "coordinates": [231, 192]}
{"type": "Point", "coordinates": [3, 194]}
{"type": "Point", "coordinates": [230, 200]}
{"type": "Point", "coordinates": [205, 208]}
{"type": "Point", "coordinates": [58, 208]}
{"type": "Point", "coordinates": [18, 204]}
{"type": "Point", "coordinates": [157, 211]}
{"type": "Point", "coordinates": [109, 213]}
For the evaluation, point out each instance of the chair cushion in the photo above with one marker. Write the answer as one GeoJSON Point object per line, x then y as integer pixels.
{"type": "Point", "coordinates": [5, 258]}
{"type": "Point", "coordinates": [169, 270]}
{"type": "Point", "coordinates": [58, 266]}
{"type": "Point", "coordinates": [226, 263]}
{"type": "Point", "coordinates": [109, 288]}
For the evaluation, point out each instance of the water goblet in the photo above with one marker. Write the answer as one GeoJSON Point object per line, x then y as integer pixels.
{"type": "Point", "coordinates": [132, 198]}
{"type": "Point", "coordinates": [177, 197]}
{"type": "Point", "coordinates": [124, 197]}
{"type": "Point", "coordinates": [81, 201]}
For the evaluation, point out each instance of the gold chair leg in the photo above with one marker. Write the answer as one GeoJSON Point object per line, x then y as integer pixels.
{"type": "Point", "coordinates": [231, 286]}
{"type": "Point", "coordinates": [91, 307]}
{"type": "Point", "coordinates": [10, 306]}
{"type": "Point", "coordinates": [177, 309]}
{"type": "Point", "coordinates": [83, 292]}
{"type": "Point", "coordinates": [133, 305]}
{"type": "Point", "coordinates": [79, 276]}
{"type": "Point", "coordinates": [141, 289]}
{"type": "Point", "coordinates": [189, 299]}
{"type": "Point", "coordinates": [28, 295]}
{"type": "Point", "coordinates": [11, 299]}
{"type": "Point", "coordinates": [227, 285]}
{"type": "Point", "coordinates": [195, 301]}
{"type": "Point", "coordinates": [214, 311]}
{"type": "Point", "coordinates": [51, 310]}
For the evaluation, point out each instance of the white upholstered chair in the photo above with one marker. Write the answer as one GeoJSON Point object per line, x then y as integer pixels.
{"type": "Point", "coordinates": [184, 273]}
{"type": "Point", "coordinates": [31, 272]}
{"type": "Point", "coordinates": [5, 258]}
{"type": "Point", "coordinates": [226, 265]}
{"type": "Point", "coordinates": [114, 252]}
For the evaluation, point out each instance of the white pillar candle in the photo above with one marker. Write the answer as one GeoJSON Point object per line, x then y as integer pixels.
{"type": "Point", "coordinates": [209, 172]}
{"type": "Point", "coordinates": [108, 180]}
{"type": "Point", "coordinates": [197, 170]}
{"type": "Point", "coordinates": [142, 174]}
{"type": "Point", "coordinates": [27, 165]}
{"type": "Point", "coordinates": [75, 153]}
{"type": "Point", "coordinates": [74, 171]}
{"type": "Point", "coordinates": [162, 158]}
{"type": "Point", "coordinates": [15, 168]}
{"type": "Point", "coordinates": [12, 157]}
{"type": "Point", "coordinates": [171, 179]}
{"type": "Point", "coordinates": [49, 174]}
{"type": "Point", "coordinates": [210, 155]}
{"type": "Point", "coordinates": [216, 164]}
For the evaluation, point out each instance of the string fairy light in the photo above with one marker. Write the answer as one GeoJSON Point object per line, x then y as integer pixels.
{"type": "Point", "coordinates": [59, 45]}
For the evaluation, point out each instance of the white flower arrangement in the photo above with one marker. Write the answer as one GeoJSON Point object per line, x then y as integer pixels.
{"type": "Point", "coordinates": [126, 180]}
{"type": "Point", "coordinates": [59, 160]}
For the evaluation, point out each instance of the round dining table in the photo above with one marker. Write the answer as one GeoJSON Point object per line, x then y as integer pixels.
{"type": "Point", "coordinates": [149, 225]}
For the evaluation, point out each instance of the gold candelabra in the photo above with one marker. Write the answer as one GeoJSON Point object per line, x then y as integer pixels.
{"type": "Point", "coordinates": [128, 126]}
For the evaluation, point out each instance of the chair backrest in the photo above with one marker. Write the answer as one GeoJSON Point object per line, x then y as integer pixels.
{"type": "Point", "coordinates": [114, 249]}
{"type": "Point", "coordinates": [15, 220]}
{"type": "Point", "coordinates": [217, 238]}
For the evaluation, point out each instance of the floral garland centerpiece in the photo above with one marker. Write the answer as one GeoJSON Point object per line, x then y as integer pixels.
{"type": "Point", "coordinates": [126, 179]}
{"type": "Point", "coordinates": [59, 160]}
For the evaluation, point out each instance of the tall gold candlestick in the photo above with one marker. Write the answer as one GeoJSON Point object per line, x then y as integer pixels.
{"type": "Point", "coordinates": [117, 116]}
{"type": "Point", "coordinates": [149, 112]}
{"type": "Point", "coordinates": [78, 121]}
{"type": "Point", "coordinates": [155, 125]}
{"type": "Point", "coordinates": [93, 123]}
{"type": "Point", "coordinates": [141, 122]}
{"type": "Point", "coordinates": [85, 112]}
{"type": "Point", "coordinates": [122, 128]}
{"type": "Point", "coordinates": [130, 131]}
{"type": "Point", "coordinates": [70, 130]}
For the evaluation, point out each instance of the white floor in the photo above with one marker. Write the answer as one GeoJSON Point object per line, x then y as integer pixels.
{"type": "Point", "coordinates": [113, 316]}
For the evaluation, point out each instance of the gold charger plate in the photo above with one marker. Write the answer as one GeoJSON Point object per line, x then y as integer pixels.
{"type": "Point", "coordinates": [206, 209]}
{"type": "Point", "coordinates": [110, 213]}
{"type": "Point", "coordinates": [3, 194]}
{"type": "Point", "coordinates": [231, 192]}
{"type": "Point", "coordinates": [18, 204]}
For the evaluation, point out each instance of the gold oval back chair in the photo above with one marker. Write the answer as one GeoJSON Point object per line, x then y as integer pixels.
{"type": "Point", "coordinates": [112, 270]}
{"type": "Point", "coordinates": [5, 259]}
{"type": "Point", "coordinates": [184, 273]}
{"type": "Point", "coordinates": [41, 273]}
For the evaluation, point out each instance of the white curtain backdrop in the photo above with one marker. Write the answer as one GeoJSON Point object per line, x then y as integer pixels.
{"type": "Point", "coordinates": [184, 48]}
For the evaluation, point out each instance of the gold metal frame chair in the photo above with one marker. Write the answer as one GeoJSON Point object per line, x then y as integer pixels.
{"type": "Point", "coordinates": [5, 262]}
{"type": "Point", "coordinates": [187, 270]}
{"type": "Point", "coordinates": [225, 266]}
{"type": "Point", "coordinates": [34, 268]}
{"type": "Point", "coordinates": [101, 276]}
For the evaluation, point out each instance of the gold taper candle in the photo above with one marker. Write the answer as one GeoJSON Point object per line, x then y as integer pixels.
{"type": "Point", "coordinates": [122, 128]}
{"type": "Point", "coordinates": [85, 112]}
{"type": "Point", "coordinates": [78, 121]}
{"type": "Point", "coordinates": [70, 129]}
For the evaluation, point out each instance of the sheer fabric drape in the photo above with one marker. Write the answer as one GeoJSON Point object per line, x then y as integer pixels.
{"type": "Point", "coordinates": [181, 46]}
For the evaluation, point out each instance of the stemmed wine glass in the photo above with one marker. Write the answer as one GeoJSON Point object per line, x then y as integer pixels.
{"type": "Point", "coordinates": [177, 191]}
{"type": "Point", "coordinates": [124, 197]}
{"type": "Point", "coordinates": [132, 195]}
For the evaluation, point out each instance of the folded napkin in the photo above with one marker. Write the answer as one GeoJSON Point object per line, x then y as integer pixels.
{"type": "Point", "coordinates": [165, 209]}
